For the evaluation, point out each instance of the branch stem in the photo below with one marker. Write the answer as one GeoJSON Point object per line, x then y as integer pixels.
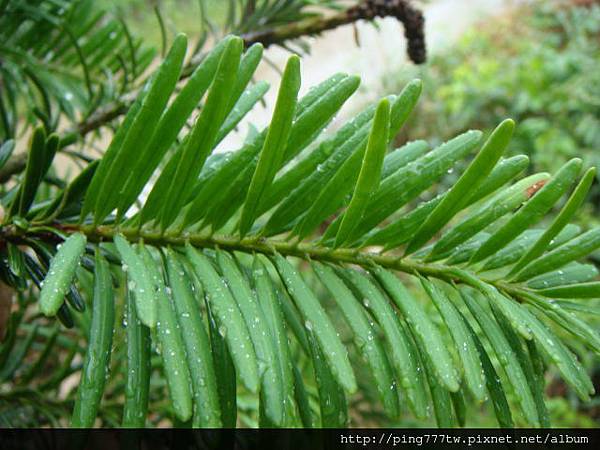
{"type": "Point", "coordinates": [270, 246]}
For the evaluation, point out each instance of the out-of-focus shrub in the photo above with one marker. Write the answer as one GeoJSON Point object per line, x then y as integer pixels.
{"type": "Point", "coordinates": [538, 64]}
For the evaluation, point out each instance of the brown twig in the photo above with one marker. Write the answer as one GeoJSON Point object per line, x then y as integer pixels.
{"type": "Point", "coordinates": [411, 18]}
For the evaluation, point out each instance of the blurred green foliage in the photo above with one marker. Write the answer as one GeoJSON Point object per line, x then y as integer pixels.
{"type": "Point", "coordinates": [180, 16]}
{"type": "Point", "coordinates": [539, 64]}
